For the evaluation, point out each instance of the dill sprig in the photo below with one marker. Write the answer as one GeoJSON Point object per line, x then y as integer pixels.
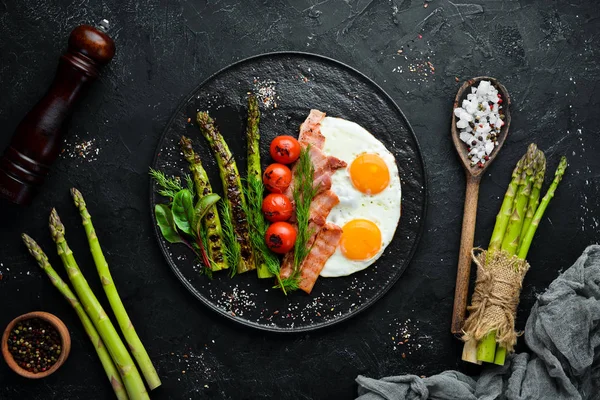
{"type": "Point", "coordinates": [254, 191]}
{"type": "Point", "coordinates": [303, 193]}
{"type": "Point", "coordinates": [233, 251]}
{"type": "Point", "coordinates": [168, 186]}
{"type": "Point", "coordinates": [290, 283]}
{"type": "Point", "coordinates": [190, 185]}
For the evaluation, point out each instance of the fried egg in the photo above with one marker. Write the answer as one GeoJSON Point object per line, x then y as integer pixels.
{"type": "Point", "coordinates": [369, 192]}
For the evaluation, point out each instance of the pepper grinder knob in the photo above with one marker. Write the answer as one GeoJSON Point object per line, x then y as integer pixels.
{"type": "Point", "coordinates": [93, 42]}
{"type": "Point", "coordinates": [37, 140]}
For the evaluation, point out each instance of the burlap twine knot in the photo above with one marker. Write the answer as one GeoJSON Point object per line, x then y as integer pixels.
{"type": "Point", "coordinates": [496, 297]}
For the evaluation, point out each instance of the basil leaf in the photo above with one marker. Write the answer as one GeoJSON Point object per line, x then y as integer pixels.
{"type": "Point", "coordinates": [202, 207]}
{"type": "Point", "coordinates": [164, 219]}
{"type": "Point", "coordinates": [183, 211]}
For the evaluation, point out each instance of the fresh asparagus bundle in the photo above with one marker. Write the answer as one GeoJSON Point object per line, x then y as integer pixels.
{"type": "Point", "coordinates": [131, 337]}
{"type": "Point", "coordinates": [515, 227]}
{"type": "Point", "coordinates": [234, 201]}
{"type": "Point", "coordinates": [254, 185]}
{"type": "Point", "coordinates": [211, 221]}
{"type": "Point", "coordinates": [118, 352]}
{"type": "Point", "coordinates": [107, 362]}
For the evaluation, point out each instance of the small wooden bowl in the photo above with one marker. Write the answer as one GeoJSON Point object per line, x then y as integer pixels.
{"type": "Point", "coordinates": [65, 343]}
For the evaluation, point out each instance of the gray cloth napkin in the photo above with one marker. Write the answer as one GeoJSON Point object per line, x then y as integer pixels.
{"type": "Point", "coordinates": [563, 333]}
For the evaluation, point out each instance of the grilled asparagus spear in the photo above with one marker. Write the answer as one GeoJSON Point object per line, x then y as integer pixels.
{"type": "Point", "coordinates": [232, 186]}
{"type": "Point", "coordinates": [254, 173]}
{"type": "Point", "coordinates": [211, 220]}
{"type": "Point", "coordinates": [253, 138]}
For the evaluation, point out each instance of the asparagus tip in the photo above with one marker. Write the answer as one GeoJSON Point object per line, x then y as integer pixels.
{"type": "Point", "coordinates": [57, 229]}
{"type": "Point", "coordinates": [252, 101]}
{"type": "Point", "coordinates": [34, 249]}
{"type": "Point", "coordinates": [29, 242]}
{"type": "Point", "coordinates": [185, 141]}
{"type": "Point", "coordinates": [203, 118]}
{"type": "Point", "coordinates": [186, 147]}
{"type": "Point", "coordinates": [26, 238]}
{"type": "Point", "coordinates": [562, 166]}
{"type": "Point", "coordinates": [78, 199]}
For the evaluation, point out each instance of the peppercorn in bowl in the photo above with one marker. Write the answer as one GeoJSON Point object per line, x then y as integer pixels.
{"type": "Point", "coordinates": [36, 344]}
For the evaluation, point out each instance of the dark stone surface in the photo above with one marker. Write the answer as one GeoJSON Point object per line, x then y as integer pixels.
{"type": "Point", "coordinates": [544, 52]}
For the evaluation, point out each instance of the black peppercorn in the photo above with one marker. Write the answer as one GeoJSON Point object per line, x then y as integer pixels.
{"type": "Point", "coordinates": [35, 345]}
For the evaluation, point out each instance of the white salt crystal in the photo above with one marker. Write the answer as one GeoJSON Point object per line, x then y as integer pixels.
{"type": "Point", "coordinates": [465, 137]}
{"type": "Point", "coordinates": [483, 88]}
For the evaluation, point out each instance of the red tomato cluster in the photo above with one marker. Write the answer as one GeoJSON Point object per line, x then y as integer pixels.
{"type": "Point", "coordinates": [277, 207]}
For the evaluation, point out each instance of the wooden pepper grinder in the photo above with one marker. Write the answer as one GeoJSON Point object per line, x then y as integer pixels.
{"type": "Point", "coordinates": [37, 140]}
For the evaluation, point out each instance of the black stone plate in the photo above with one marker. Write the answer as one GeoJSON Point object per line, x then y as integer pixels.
{"type": "Point", "coordinates": [289, 85]}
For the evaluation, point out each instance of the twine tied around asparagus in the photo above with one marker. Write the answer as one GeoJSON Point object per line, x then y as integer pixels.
{"type": "Point", "coordinates": [496, 296]}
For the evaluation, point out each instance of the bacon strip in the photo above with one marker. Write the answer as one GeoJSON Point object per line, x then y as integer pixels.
{"type": "Point", "coordinates": [325, 236]}
{"type": "Point", "coordinates": [324, 246]}
{"type": "Point", "coordinates": [310, 130]}
{"type": "Point", "coordinates": [287, 265]}
{"type": "Point", "coordinates": [324, 167]}
{"type": "Point", "coordinates": [321, 206]}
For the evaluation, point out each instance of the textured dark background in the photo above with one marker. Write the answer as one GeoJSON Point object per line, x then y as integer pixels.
{"type": "Point", "coordinates": [545, 52]}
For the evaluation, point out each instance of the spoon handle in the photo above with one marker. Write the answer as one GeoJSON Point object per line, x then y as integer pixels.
{"type": "Point", "coordinates": [464, 259]}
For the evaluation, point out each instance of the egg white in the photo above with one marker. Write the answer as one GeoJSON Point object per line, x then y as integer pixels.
{"type": "Point", "coordinates": [346, 140]}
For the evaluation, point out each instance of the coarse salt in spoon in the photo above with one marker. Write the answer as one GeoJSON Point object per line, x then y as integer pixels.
{"type": "Point", "coordinates": [475, 163]}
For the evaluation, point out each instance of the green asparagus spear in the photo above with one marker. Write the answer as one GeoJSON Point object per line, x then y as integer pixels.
{"type": "Point", "coordinates": [534, 199]}
{"type": "Point", "coordinates": [253, 138]}
{"type": "Point", "coordinates": [107, 362]}
{"type": "Point", "coordinates": [506, 209]}
{"type": "Point", "coordinates": [500, 356]}
{"type": "Point", "coordinates": [232, 186]}
{"type": "Point", "coordinates": [131, 337]}
{"type": "Point", "coordinates": [255, 216]}
{"type": "Point", "coordinates": [513, 230]}
{"type": "Point", "coordinates": [486, 348]}
{"type": "Point", "coordinates": [211, 221]}
{"type": "Point", "coordinates": [127, 369]}
{"type": "Point", "coordinates": [539, 212]}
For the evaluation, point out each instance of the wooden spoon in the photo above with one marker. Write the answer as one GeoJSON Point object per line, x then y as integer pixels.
{"type": "Point", "coordinates": [474, 175]}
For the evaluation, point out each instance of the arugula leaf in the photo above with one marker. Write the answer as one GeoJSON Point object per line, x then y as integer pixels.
{"type": "Point", "coordinates": [166, 224]}
{"type": "Point", "coordinates": [183, 211]}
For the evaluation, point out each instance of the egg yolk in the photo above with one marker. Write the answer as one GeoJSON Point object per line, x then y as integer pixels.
{"type": "Point", "coordinates": [369, 173]}
{"type": "Point", "coordinates": [361, 239]}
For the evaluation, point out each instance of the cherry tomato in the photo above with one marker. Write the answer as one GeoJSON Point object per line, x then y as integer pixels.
{"type": "Point", "coordinates": [280, 237]}
{"type": "Point", "coordinates": [285, 149]}
{"type": "Point", "coordinates": [277, 207]}
{"type": "Point", "coordinates": [277, 178]}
